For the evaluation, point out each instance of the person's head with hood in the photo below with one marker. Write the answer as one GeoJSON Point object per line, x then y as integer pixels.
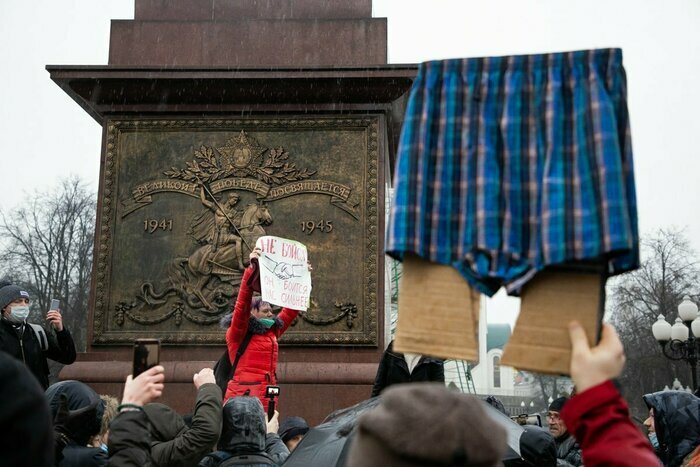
{"type": "Point", "coordinates": [674, 418]}
{"type": "Point", "coordinates": [292, 431]}
{"type": "Point", "coordinates": [244, 426]}
{"type": "Point", "coordinates": [426, 424]}
{"type": "Point", "coordinates": [77, 396]}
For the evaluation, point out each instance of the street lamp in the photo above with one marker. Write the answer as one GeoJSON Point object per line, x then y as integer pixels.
{"type": "Point", "coordinates": [681, 341]}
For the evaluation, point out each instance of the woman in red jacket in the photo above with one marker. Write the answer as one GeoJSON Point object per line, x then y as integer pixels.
{"type": "Point", "coordinates": [257, 366]}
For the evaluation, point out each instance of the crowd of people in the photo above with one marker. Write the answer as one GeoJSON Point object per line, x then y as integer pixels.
{"type": "Point", "coordinates": [417, 420]}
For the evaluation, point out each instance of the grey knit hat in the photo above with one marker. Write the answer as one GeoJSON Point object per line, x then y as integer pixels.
{"type": "Point", "coordinates": [427, 424]}
{"type": "Point", "coordinates": [9, 294]}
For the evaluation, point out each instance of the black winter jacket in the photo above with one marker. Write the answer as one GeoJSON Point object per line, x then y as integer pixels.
{"type": "Point", "coordinates": [23, 344]}
{"type": "Point", "coordinates": [568, 451]}
{"type": "Point", "coordinates": [393, 369]}
{"type": "Point", "coordinates": [82, 456]}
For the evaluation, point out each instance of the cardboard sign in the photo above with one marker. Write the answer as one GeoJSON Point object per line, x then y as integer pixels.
{"type": "Point", "coordinates": [438, 311]}
{"type": "Point", "coordinates": [540, 340]}
{"type": "Point", "coordinates": [285, 279]}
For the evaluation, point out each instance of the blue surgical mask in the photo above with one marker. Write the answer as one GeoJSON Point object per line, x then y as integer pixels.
{"type": "Point", "coordinates": [654, 440]}
{"type": "Point", "coordinates": [267, 322]}
{"type": "Point", "coordinates": [18, 314]}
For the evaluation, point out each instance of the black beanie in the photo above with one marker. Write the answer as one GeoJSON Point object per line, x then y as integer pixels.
{"type": "Point", "coordinates": [558, 404]}
{"type": "Point", "coordinates": [9, 294]}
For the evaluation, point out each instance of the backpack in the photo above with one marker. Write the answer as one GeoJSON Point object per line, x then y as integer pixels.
{"type": "Point", "coordinates": [41, 336]}
{"type": "Point", "coordinates": [226, 459]}
{"type": "Point", "coordinates": [223, 370]}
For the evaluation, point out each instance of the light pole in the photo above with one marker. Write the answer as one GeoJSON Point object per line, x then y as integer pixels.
{"type": "Point", "coordinates": [681, 341]}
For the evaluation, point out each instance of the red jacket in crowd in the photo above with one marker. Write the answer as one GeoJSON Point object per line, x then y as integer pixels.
{"type": "Point", "coordinates": [599, 420]}
{"type": "Point", "coordinates": [258, 364]}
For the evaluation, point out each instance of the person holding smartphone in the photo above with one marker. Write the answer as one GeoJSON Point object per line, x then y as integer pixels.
{"type": "Point", "coordinates": [30, 343]}
{"type": "Point", "coordinates": [256, 369]}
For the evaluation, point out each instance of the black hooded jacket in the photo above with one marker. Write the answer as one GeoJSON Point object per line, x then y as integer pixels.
{"type": "Point", "coordinates": [677, 424]}
{"type": "Point", "coordinates": [79, 395]}
{"type": "Point", "coordinates": [393, 369]}
{"type": "Point", "coordinates": [245, 432]}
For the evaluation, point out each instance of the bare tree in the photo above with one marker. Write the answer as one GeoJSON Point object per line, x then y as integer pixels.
{"type": "Point", "coordinates": [552, 386]}
{"type": "Point", "coordinates": [47, 247]}
{"type": "Point", "coordinates": [668, 271]}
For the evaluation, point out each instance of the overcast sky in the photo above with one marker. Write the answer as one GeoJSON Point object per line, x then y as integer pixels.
{"type": "Point", "coordinates": [47, 136]}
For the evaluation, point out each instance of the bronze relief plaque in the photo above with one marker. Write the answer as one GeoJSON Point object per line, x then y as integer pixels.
{"type": "Point", "coordinates": [183, 201]}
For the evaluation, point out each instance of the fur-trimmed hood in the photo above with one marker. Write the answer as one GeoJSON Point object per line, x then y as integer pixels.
{"type": "Point", "coordinates": [254, 324]}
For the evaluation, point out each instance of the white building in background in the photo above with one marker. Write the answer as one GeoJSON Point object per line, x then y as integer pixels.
{"type": "Point", "coordinates": [489, 377]}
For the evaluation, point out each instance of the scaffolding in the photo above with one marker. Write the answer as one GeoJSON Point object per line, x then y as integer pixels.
{"type": "Point", "coordinates": [464, 382]}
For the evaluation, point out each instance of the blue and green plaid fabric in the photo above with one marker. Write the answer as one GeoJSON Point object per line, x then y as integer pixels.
{"type": "Point", "coordinates": [507, 165]}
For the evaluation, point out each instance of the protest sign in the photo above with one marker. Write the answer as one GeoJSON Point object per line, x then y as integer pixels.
{"type": "Point", "coordinates": [540, 340]}
{"type": "Point", "coordinates": [426, 326]}
{"type": "Point", "coordinates": [285, 279]}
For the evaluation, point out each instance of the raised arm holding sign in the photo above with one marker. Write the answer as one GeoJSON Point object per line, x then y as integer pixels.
{"type": "Point", "coordinates": [284, 272]}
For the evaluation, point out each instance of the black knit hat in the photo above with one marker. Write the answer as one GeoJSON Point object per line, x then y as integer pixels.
{"type": "Point", "coordinates": [558, 404]}
{"type": "Point", "coordinates": [10, 293]}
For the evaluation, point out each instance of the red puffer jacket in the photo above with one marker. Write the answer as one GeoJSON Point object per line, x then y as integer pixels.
{"type": "Point", "coordinates": [258, 364]}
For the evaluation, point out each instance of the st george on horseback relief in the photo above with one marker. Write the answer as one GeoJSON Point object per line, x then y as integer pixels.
{"type": "Point", "coordinates": [222, 237]}
{"type": "Point", "coordinates": [184, 202]}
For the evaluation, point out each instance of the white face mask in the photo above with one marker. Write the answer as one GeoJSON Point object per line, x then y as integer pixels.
{"type": "Point", "coordinates": [18, 313]}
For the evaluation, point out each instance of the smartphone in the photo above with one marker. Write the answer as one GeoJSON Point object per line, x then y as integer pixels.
{"type": "Point", "coordinates": [146, 355]}
{"type": "Point", "coordinates": [271, 392]}
{"type": "Point", "coordinates": [55, 304]}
